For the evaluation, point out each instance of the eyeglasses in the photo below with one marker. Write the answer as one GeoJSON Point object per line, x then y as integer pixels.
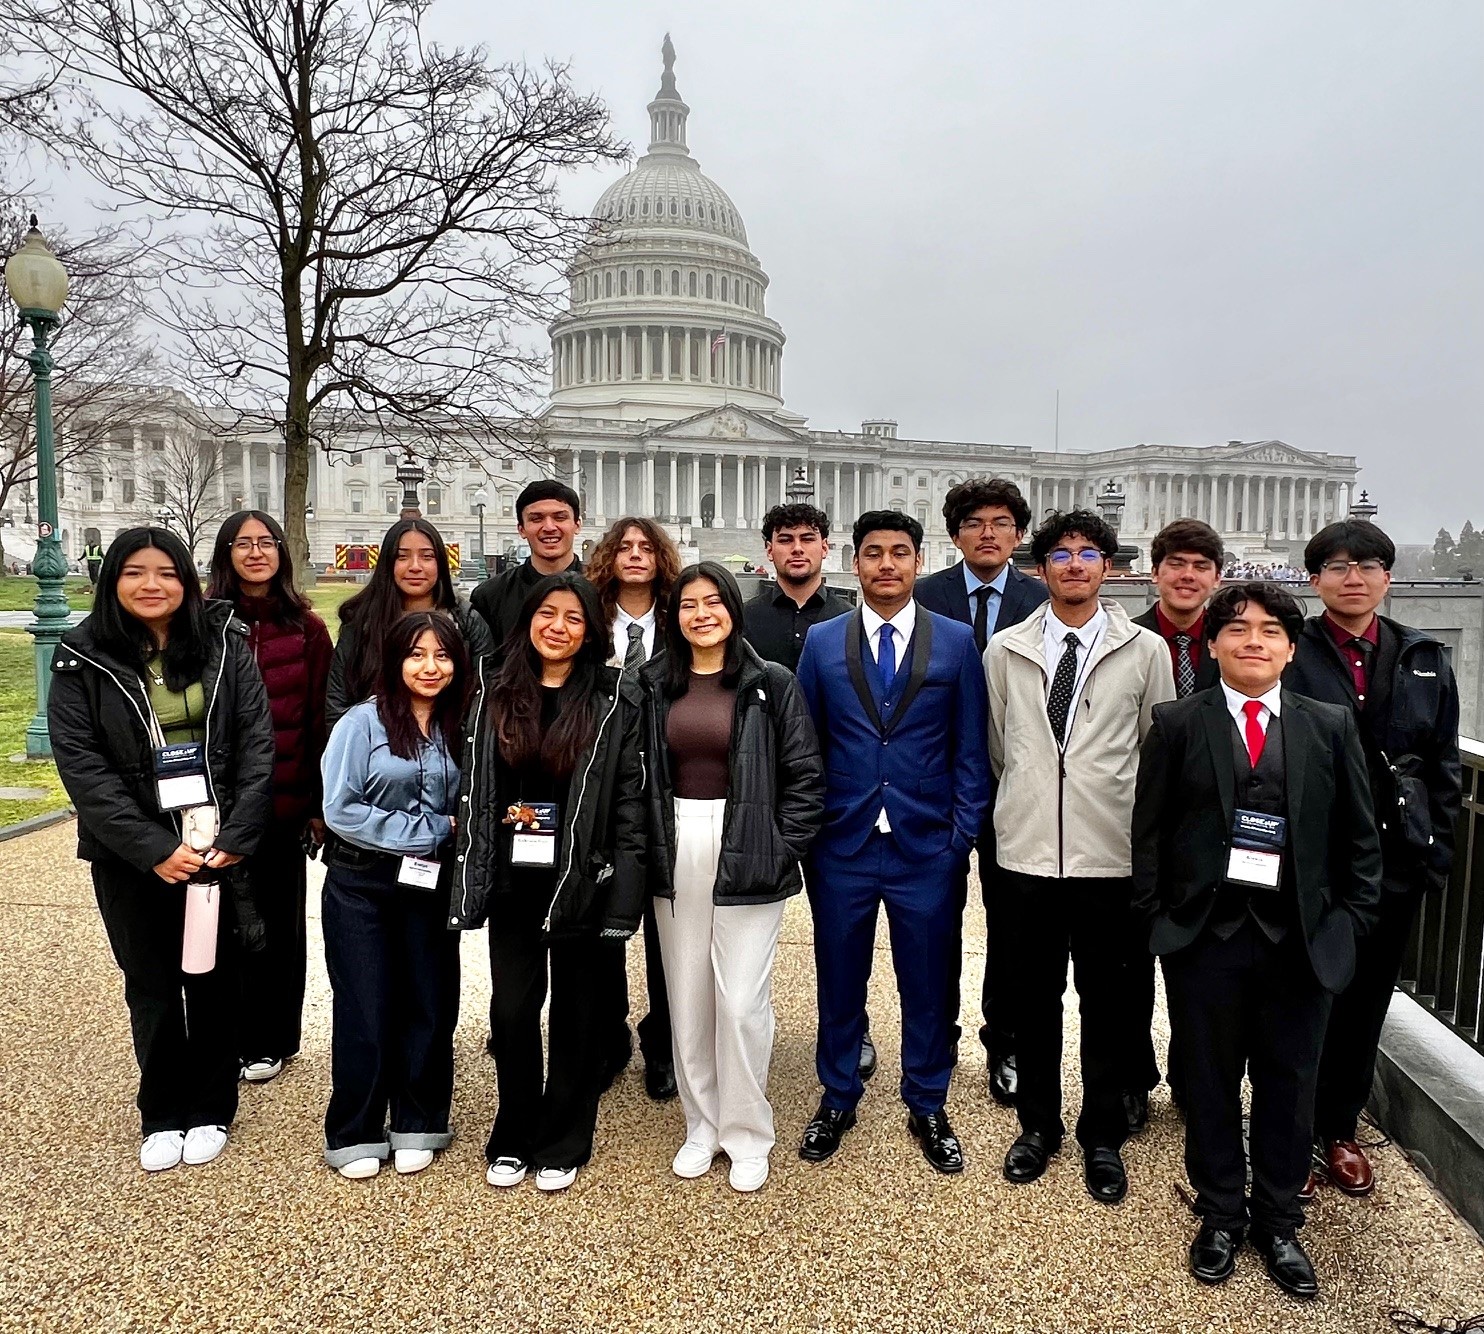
{"type": "Point", "coordinates": [1338, 569]}
{"type": "Point", "coordinates": [246, 544]}
{"type": "Point", "coordinates": [1000, 525]}
{"type": "Point", "coordinates": [1087, 555]}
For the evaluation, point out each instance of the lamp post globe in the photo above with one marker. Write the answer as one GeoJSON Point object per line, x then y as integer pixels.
{"type": "Point", "coordinates": [37, 283]}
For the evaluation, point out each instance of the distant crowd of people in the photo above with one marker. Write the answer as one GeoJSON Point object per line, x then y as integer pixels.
{"type": "Point", "coordinates": [583, 754]}
{"type": "Point", "coordinates": [1273, 572]}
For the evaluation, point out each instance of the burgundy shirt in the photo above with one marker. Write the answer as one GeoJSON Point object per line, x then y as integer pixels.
{"type": "Point", "coordinates": [1359, 663]}
{"type": "Point", "coordinates": [1169, 630]}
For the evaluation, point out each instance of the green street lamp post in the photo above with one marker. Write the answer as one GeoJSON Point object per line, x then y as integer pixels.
{"type": "Point", "coordinates": [37, 283]}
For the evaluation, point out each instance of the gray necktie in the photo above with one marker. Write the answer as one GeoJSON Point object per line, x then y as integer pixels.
{"type": "Point", "coordinates": [1184, 668]}
{"type": "Point", "coordinates": [633, 659]}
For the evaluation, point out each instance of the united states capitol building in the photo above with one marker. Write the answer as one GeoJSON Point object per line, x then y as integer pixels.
{"type": "Point", "coordinates": [667, 398]}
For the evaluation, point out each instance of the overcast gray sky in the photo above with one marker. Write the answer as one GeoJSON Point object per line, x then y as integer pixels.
{"type": "Point", "coordinates": [1200, 220]}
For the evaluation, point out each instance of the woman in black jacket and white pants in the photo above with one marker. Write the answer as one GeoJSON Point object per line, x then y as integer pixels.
{"type": "Point", "coordinates": [154, 669]}
{"type": "Point", "coordinates": [736, 796]}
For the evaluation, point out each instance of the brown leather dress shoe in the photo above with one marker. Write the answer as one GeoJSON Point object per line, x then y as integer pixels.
{"type": "Point", "coordinates": [1309, 1189]}
{"type": "Point", "coordinates": [1348, 1168]}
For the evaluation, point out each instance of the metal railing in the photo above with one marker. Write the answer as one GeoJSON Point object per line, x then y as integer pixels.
{"type": "Point", "coordinates": [1444, 965]}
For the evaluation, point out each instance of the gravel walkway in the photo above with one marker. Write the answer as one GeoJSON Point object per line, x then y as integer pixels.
{"type": "Point", "coordinates": [267, 1238]}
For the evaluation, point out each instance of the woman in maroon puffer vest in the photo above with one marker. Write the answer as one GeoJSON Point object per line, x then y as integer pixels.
{"type": "Point", "coordinates": [251, 568]}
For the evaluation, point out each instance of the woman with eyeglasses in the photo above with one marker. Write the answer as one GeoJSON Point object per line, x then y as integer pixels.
{"type": "Point", "coordinates": [162, 736]}
{"type": "Point", "coordinates": [411, 574]}
{"type": "Point", "coordinates": [551, 855]}
{"type": "Point", "coordinates": [252, 569]}
{"type": "Point", "coordinates": [736, 795]}
{"type": "Point", "coordinates": [391, 775]}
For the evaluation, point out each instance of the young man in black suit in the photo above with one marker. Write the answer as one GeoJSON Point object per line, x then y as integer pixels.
{"type": "Point", "coordinates": [1398, 685]}
{"type": "Point", "coordinates": [987, 519]}
{"type": "Point", "coordinates": [1185, 568]}
{"type": "Point", "coordinates": [1257, 865]}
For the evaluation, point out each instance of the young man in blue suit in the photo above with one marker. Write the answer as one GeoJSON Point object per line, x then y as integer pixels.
{"type": "Point", "coordinates": [898, 698]}
{"type": "Point", "coordinates": [987, 519]}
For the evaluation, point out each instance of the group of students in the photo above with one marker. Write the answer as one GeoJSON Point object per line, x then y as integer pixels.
{"type": "Point", "coordinates": [580, 755]}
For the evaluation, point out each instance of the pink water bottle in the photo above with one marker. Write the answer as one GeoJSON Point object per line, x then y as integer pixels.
{"type": "Point", "coordinates": [203, 907]}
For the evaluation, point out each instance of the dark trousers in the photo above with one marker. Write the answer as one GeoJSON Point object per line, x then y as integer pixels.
{"type": "Point", "coordinates": [1246, 1004]}
{"type": "Point", "coordinates": [547, 1121]}
{"type": "Point", "coordinates": [1086, 921]}
{"type": "Point", "coordinates": [1141, 1067]}
{"type": "Point", "coordinates": [273, 977]}
{"type": "Point", "coordinates": [920, 899]}
{"type": "Point", "coordinates": [997, 1000]}
{"type": "Point", "coordinates": [654, 1029]}
{"type": "Point", "coordinates": [394, 972]}
{"type": "Point", "coordinates": [1348, 1066]}
{"type": "Point", "coordinates": [183, 1024]}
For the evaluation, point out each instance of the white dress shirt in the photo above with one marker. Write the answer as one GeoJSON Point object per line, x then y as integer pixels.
{"type": "Point", "coordinates": [1271, 707]}
{"type": "Point", "coordinates": [902, 624]}
{"type": "Point", "coordinates": [621, 624]}
{"type": "Point", "coordinates": [1054, 643]}
{"type": "Point", "coordinates": [996, 586]}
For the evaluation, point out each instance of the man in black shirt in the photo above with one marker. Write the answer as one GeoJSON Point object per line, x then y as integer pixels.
{"type": "Point", "coordinates": [548, 515]}
{"type": "Point", "coordinates": [796, 539]}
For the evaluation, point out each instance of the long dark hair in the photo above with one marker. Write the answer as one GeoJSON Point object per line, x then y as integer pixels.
{"type": "Point", "coordinates": [376, 608]}
{"type": "Point", "coordinates": [515, 697]}
{"type": "Point", "coordinates": [127, 637]}
{"type": "Point", "coordinates": [394, 699]}
{"type": "Point", "coordinates": [601, 568]}
{"type": "Point", "coordinates": [677, 647]}
{"type": "Point", "coordinates": [287, 603]}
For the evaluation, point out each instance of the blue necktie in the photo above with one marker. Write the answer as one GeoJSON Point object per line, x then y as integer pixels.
{"type": "Point", "coordinates": [886, 660]}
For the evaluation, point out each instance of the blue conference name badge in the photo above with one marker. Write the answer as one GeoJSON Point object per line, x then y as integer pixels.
{"type": "Point", "coordinates": [1258, 840]}
{"type": "Point", "coordinates": [180, 776]}
{"type": "Point", "coordinates": [534, 826]}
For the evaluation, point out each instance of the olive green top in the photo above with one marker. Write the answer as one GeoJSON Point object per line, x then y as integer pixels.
{"type": "Point", "coordinates": [182, 715]}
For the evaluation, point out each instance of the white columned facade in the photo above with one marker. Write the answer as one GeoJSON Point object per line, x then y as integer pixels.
{"type": "Point", "coordinates": [741, 491]}
{"type": "Point", "coordinates": [674, 499]}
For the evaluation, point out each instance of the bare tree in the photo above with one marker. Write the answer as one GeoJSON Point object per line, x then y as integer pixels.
{"type": "Point", "coordinates": [182, 486]}
{"type": "Point", "coordinates": [374, 228]}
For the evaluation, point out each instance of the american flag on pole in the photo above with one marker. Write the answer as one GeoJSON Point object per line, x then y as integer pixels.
{"type": "Point", "coordinates": [719, 342]}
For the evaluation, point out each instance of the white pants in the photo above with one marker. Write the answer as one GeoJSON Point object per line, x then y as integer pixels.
{"type": "Point", "coordinates": [719, 973]}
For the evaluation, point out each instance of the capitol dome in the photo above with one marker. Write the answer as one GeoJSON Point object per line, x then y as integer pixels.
{"type": "Point", "coordinates": [667, 305]}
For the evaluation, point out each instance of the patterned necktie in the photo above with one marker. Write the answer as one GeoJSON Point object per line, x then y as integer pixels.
{"type": "Point", "coordinates": [1256, 737]}
{"type": "Point", "coordinates": [1184, 668]}
{"type": "Point", "coordinates": [633, 659]}
{"type": "Point", "coordinates": [1059, 701]}
{"type": "Point", "coordinates": [981, 616]}
{"type": "Point", "coordinates": [886, 660]}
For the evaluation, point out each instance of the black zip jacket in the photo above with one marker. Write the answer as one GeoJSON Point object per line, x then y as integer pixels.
{"type": "Point", "coordinates": [98, 715]}
{"type": "Point", "coordinates": [1409, 730]}
{"type": "Point", "coordinates": [499, 599]}
{"type": "Point", "coordinates": [775, 786]}
{"type": "Point", "coordinates": [600, 852]}
{"type": "Point", "coordinates": [337, 696]}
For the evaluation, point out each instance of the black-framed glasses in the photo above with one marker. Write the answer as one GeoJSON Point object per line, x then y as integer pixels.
{"type": "Point", "coordinates": [246, 544]}
{"type": "Point", "coordinates": [1088, 556]}
{"type": "Point", "coordinates": [1338, 569]}
{"type": "Point", "coordinates": [1000, 525]}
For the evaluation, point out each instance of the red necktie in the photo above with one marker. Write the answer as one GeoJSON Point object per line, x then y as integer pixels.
{"type": "Point", "coordinates": [1256, 737]}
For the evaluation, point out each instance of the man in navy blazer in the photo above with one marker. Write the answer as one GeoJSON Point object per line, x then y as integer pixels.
{"type": "Point", "coordinates": [898, 697]}
{"type": "Point", "coordinates": [987, 519]}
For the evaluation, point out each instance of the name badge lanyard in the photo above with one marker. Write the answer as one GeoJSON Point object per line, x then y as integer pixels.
{"type": "Point", "coordinates": [180, 767]}
{"type": "Point", "coordinates": [422, 872]}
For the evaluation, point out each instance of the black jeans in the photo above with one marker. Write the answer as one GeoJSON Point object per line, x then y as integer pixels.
{"type": "Point", "coordinates": [997, 1000]}
{"type": "Point", "coordinates": [394, 973]}
{"type": "Point", "coordinates": [1086, 921]}
{"type": "Point", "coordinates": [1348, 1066]}
{"type": "Point", "coordinates": [1246, 1004]}
{"type": "Point", "coordinates": [654, 1029]}
{"type": "Point", "coordinates": [183, 1024]}
{"type": "Point", "coordinates": [273, 977]}
{"type": "Point", "coordinates": [547, 1121]}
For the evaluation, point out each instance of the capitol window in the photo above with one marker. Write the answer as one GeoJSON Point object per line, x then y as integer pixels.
{"type": "Point", "coordinates": [674, 282]}
{"type": "Point", "coordinates": [639, 282]}
{"type": "Point", "coordinates": [687, 208]}
{"type": "Point", "coordinates": [623, 282]}
{"type": "Point", "coordinates": [659, 281]}
{"type": "Point", "coordinates": [644, 208]}
{"type": "Point", "coordinates": [607, 284]}
{"type": "Point", "coordinates": [897, 479]}
{"type": "Point", "coordinates": [674, 209]}
{"type": "Point", "coordinates": [708, 287]}
{"type": "Point", "coordinates": [693, 282]}
{"type": "Point", "coordinates": [393, 502]}
{"type": "Point", "coordinates": [921, 483]}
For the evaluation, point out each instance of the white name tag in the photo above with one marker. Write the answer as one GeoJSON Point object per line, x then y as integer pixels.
{"type": "Point", "coordinates": [1246, 866]}
{"type": "Point", "coordinates": [418, 873]}
{"type": "Point", "coordinates": [533, 850]}
{"type": "Point", "coordinates": [175, 794]}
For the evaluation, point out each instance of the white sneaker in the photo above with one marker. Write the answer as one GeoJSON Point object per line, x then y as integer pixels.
{"type": "Point", "coordinates": [359, 1169]}
{"type": "Point", "coordinates": [203, 1143]}
{"type": "Point", "coordinates": [409, 1161]}
{"type": "Point", "coordinates": [505, 1172]}
{"type": "Point", "coordinates": [748, 1174]}
{"type": "Point", "coordinates": [161, 1151]}
{"type": "Point", "coordinates": [693, 1160]}
{"type": "Point", "coordinates": [260, 1072]}
{"type": "Point", "coordinates": [555, 1178]}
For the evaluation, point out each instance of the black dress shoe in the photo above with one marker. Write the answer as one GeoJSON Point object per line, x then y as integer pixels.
{"type": "Point", "coordinates": [867, 1066]}
{"type": "Point", "coordinates": [1213, 1253]}
{"type": "Point", "coordinates": [939, 1144]}
{"type": "Point", "coordinates": [1287, 1265]}
{"type": "Point", "coordinates": [823, 1134]}
{"type": "Point", "coordinates": [1136, 1108]}
{"type": "Point", "coordinates": [659, 1080]}
{"type": "Point", "coordinates": [1102, 1170]}
{"type": "Point", "coordinates": [1028, 1157]}
{"type": "Point", "coordinates": [1003, 1080]}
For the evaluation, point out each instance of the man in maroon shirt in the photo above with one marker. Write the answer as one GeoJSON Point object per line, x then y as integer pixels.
{"type": "Point", "coordinates": [1186, 558]}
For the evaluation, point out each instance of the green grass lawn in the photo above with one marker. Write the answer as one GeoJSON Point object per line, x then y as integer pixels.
{"type": "Point", "coordinates": [17, 704]}
{"type": "Point", "coordinates": [18, 593]}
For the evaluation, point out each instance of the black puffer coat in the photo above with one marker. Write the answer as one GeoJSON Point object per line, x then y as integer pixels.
{"type": "Point", "coordinates": [775, 788]}
{"type": "Point", "coordinates": [97, 715]}
{"type": "Point", "coordinates": [600, 852]}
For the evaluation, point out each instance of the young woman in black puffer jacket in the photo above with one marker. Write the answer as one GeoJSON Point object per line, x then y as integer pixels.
{"type": "Point", "coordinates": [736, 795]}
